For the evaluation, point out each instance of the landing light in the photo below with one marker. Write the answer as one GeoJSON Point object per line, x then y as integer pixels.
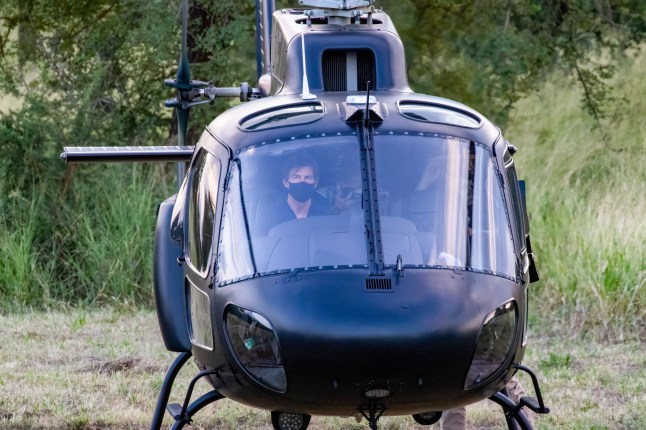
{"type": "Point", "coordinates": [494, 344]}
{"type": "Point", "coordinates": [255, 345]}
{"type": "Point", "coordinates": [287, 421]}
{"type": "Point", "coordinates": [427, 418]}
{"type": "Point", "coordinates": [377, 393]}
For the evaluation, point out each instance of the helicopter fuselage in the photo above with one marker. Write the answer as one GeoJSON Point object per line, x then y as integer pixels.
{"type": "Point", "coordinates": [340, 245]}
{"type": "Point", "coordinates": [339, 340]}
{"type": "Point", "coordinates": [404, 337]}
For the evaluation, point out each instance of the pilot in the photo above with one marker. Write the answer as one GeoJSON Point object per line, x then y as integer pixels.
{"type": "Point", "coordinates": [456, 418]}
{"type": "Point", "coordinates": [300, 179]}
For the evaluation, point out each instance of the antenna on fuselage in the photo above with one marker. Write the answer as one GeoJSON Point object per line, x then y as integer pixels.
{"type": "Point", "coordinates": [306, 87]}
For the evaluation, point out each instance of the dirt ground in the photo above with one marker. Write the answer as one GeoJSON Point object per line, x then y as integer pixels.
{"type": "Point", "coordinates": [103, 370]}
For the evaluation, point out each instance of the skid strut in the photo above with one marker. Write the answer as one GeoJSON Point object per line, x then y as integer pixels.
{"type": "Point", "coordinates": [516, 419]}
{"type": "Point", "coordinates": [181, 414]}
{"type": "Point", "coordinates": [514, 415]}
{"type": "Point", "coordinates": [373, 412]}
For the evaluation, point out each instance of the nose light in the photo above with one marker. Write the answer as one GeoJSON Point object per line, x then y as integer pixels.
{"type": "Point", "coordinates": [254, 343]}
{"type": "Point", "coordinates": [287, 421]}
{"type": "Point", "coordinates": [377, 393]}
{"type": "Point", "coordinates": [494, 344]}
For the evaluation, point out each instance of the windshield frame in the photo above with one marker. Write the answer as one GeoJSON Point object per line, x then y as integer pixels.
{"type": "Point", "coordinates": [313, 137]}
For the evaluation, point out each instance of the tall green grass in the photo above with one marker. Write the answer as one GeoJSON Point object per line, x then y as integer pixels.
{"type": "Point", "coordinates": [23, 280]}
{"type": "Point", "coordinates": [111, 225]}
{"type": "Point", "coordinates": [93, 247]}
{"type": "Point", "coordinates": [586, 198]}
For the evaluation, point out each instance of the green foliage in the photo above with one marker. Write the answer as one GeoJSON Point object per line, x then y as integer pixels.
{"type": "Point", "coordinates": [554, 360]}
{"type": "Point", "coordinates": [23, 280]}
{"type": "Point", "coordinates": [90, 73]}
{"type": "Point", "coordinates": [489, 54]}
{"type": "Point", "coordinates": [585, 199]}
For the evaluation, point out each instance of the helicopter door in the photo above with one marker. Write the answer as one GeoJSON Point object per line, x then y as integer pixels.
{"type": "Point", "coordinates": [517, 215]}
{"type": "Point", "coordinates": [205, 177]}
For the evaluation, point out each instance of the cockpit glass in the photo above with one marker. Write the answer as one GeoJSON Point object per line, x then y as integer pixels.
{"type": "Point", "coordinates": [283, 116]}
{"type": "Point", "coordinates": [297, 204]}
{"type": "Point", "coordinates": [438, 114]}
{"type": "Point", "coordinates": [442, 204]}
{"type": "Point", "coordinates": [292, 205]}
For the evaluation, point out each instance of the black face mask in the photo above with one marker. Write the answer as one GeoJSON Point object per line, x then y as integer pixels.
{"type": "Point", "coordinates": [301, 191]}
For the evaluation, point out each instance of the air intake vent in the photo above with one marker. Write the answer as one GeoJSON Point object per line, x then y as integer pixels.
{"type": "Point", "coordinates": [348, 70]}
{"type": "Point", "coordinates": [378, 284]}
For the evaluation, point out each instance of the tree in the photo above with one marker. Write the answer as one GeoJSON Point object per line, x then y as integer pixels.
{"type": "Point", "coordinates": [490, 53]}
{"type": "Point", "coordinates": [91, 73]}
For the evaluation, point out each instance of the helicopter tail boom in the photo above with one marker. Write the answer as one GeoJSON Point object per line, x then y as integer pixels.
{"type": "Point", "coordinates": [119, 154]}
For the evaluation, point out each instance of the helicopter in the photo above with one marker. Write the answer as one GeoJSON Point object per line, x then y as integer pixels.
{"type": "Point", "coordinates": [339, 245]}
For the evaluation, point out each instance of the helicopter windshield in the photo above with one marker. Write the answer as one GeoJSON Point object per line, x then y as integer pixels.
{"type": "Point", "coordinates": [282, 211]}
{"type": "Point", "coordinates": [448, 188]}
{"type": "Point", "coordinates": [297, 204]}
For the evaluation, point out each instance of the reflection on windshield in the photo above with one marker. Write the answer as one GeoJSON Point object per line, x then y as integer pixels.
{"type": "Point", "coordinates": [298, 204]}
{"type": "Point", "coordinates": [449, 190]}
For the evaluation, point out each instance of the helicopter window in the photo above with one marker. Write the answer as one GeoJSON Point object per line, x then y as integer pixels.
{"type": "Point", "coordinates": [438, 114]}
{"type": "Point", "coordinates": [205, 176]}
{"type": "Point", "coordinates": [491, 242]}
{"type": "Point", "coordinates": [283, 116]}
{"type": "Point", "coordinates": [235, 256]}
{"type": "Point", "coordinates": [449, 191]}
{"type": "Point", "coordinates": [177, 217]}
{"type": "Point", "coordinates": [512, 179]}
{"type": "Point", "coordinates": [262, 232]}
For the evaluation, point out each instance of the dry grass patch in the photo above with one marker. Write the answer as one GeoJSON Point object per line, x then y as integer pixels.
{"type": "Point", "coordinates": [103, 370]}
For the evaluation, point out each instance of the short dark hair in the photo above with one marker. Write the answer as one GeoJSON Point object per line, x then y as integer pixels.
{"type": "Point", "coordinates": [300, 160]}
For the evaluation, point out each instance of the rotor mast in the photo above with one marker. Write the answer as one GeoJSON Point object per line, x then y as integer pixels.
{"type": "Point", "coordinates": [338, 11]}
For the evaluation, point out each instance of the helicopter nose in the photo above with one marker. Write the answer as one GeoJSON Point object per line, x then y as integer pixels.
{"type": "Point", "coordinates": [326, 340]}
{"type": "Point", "coordinates": [378, 345]}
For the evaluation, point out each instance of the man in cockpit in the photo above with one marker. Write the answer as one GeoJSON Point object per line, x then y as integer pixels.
{"type": "Point", "coordinates": [300, 179]}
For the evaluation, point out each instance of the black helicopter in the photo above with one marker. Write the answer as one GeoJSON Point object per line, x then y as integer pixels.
{"type": "Point", "coordinates": [340, 245]}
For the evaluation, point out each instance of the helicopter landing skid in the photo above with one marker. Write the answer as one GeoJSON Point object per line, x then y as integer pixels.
{"type": "Point", "coordinates": [182, 414]}
{"type": "Point", "coordinates": [514, 415]}
{"type": "Point", "coordinates": [516, 419]}
{"type": "Point", "coordinates": [373, 412]}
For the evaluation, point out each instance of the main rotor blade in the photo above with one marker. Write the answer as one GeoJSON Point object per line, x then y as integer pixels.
{"type": "Point", "coordinates": [183, 84]}
{"type": "Point", "coordinates": [183, 71]}
{"type": "Point", "coordinates": [117, 154]}
{"type": "Point", "coordinates": [264, 12]}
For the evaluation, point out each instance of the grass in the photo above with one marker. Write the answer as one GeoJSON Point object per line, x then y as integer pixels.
{"type": "Point", "coordinates": [94, 248]}
{"type": "Point", "coordinates": [585, 196]}
{"type": "Point", "coordinates": [112, 232]}
{"type": "Point", "coordinates": [103, 369]}
{"type": "Point", "coordinates": [22, 278]}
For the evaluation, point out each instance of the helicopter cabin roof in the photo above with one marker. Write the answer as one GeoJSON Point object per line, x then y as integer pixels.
{"type": "Point", "coordinates": [339, 55]}
{"type": "Point", "coordinates": [278, 118]}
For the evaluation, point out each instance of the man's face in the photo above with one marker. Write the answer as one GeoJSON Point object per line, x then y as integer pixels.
{"type": "Point", "coordinates": [300, 174]}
